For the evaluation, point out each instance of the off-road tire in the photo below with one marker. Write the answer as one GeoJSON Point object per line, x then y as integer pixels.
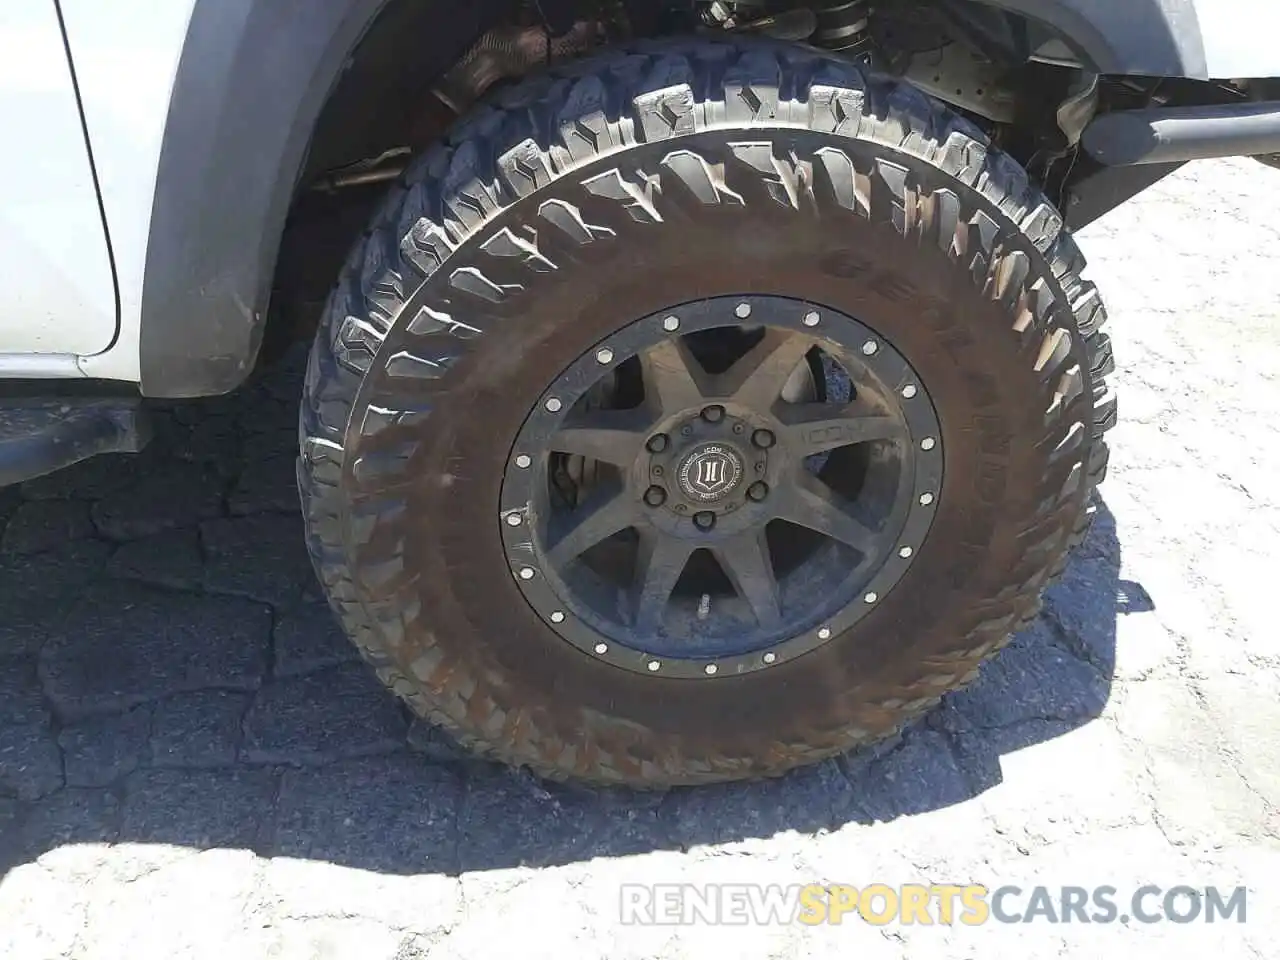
{"type": "Point", "coordinates": [692, 168]}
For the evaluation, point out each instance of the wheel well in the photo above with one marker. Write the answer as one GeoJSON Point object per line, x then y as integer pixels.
{"type": "Point", "coordinates": [381, 104]}
{"type": "Point", "coordinates": [273, 103]}
{"type": "Point", "coordinates": [1013, 66]}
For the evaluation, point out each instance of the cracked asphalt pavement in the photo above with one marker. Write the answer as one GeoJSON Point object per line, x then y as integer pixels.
{"type": "Point", "coordinates": [193, 764]}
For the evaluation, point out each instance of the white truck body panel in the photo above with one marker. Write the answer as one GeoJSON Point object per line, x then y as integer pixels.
{"type": "Point", "coordinates": [58, 296]}
{"type": "Point", "coordinates": [1240, 37]}
{"type": "Point", "coordinates": [126, 55]}
{"type": "Point", "coordinates": [58, 305]}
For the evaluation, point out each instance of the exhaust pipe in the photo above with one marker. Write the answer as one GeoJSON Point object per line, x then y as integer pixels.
{"type": "Point", "coordinates": [1176, 134]}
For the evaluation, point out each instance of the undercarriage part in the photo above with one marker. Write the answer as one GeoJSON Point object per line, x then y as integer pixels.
{"type": "Point", "coordinates": [1075, 112]}
{"type": "Point", "coordinates": [40, 435]}
{"type": "Point", "coordinates": [508, 52]}
{"type": "Point", "coordinates": [1179, 134]}
{"type": "Point", "coordinates": [841, 25]}
{"type": "Point", "coordinates": [1100, 189]}
{"type": "Point", "coordinates": [794, 25]}
{"type": "Point", "coordinates": [380, 169]}
{"type": "Point", "coordinates": [962, 76]}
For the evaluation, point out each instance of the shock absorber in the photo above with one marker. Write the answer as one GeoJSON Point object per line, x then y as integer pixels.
{"type": "Point", "coordinates": [842, 25]}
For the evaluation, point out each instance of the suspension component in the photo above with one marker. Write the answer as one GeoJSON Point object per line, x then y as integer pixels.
{"type": "Point", "coordinates": [842, 25]}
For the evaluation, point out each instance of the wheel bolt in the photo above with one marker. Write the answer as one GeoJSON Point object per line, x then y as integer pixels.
{"type": "Point", "coordinates": [713, 414]}
{"type": "Point", "coordinates": [763, 439]}
{"type": "Point", "coordinates": [655, 496]}
{"type": "Point", "coordinates": [704, 520]}
{"type": "Point", "coordinates": [657, 443]}
{"type": "Point", "coordinates": [758, 491]}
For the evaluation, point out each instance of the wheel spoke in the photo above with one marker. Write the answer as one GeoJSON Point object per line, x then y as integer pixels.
{"type": "Point", "coordinates": [673, 378]}
{"type": "Point", "coordinates": [614, 436]}
{"type": "Point", "coordinates": [659, 563]}
{"type": "Point", "coordinates": [812, 504]}
{"type": "Point", "coordinates": [745, 560]}
{"type": "Point", "coordinates": [603, 515]}
{"type": "Point", "coordinates": [757, 379]}
{"type": "Point", "coordinates": [816, 427]}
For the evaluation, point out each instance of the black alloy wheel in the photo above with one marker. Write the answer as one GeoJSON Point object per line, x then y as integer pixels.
{"type": "Point", "coordinates": [721, 486]}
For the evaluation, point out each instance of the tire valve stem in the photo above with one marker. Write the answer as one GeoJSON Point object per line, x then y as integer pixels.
{"type": "Point", "coordinates": [704, 606]}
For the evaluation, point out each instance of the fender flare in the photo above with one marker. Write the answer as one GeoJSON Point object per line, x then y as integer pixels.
{"type": "Point", "coordinates": [1157, 38]}
{"type": "Point", "coordinates": [251, 82]}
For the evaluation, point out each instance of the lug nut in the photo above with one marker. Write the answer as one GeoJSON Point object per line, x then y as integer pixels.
{"type": "Point", "coordinates": [758, 491]}
{"type": "Point", "coordinates": [713, 414]}
{"type": "Point", "coordinates": [764, 439]}
{"type": "Point", "coordinates": [655, 496]}
{"type": "Point", "coordinates": [704, 520]}
{"type": "Point", "coordinates": [657, 443]}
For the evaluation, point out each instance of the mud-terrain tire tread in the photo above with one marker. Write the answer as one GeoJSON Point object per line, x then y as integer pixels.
{"type": "Point", "coordinates": [379, 277]}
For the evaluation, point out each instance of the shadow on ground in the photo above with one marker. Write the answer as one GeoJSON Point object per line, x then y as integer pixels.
{"type": "Point", "coordinates": [170, 675]}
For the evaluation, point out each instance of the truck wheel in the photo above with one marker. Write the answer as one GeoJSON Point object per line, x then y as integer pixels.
{"type": "Point", "coordinates": [700, 411]}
